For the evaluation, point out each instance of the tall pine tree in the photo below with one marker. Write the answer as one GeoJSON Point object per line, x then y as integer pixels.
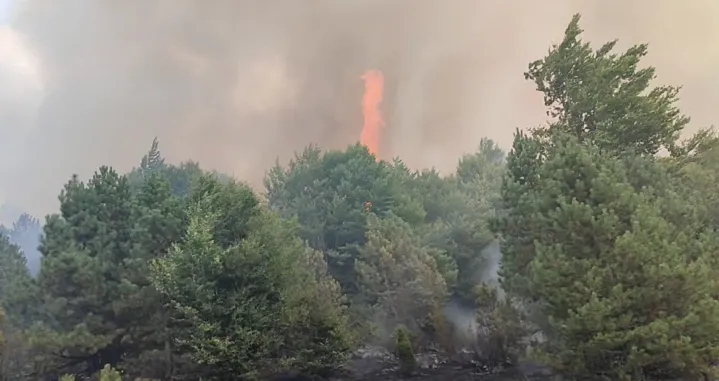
{"type": "Point", "coordinates": [594, 233]}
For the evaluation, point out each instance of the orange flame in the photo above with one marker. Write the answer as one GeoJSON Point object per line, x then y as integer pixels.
{"type": "Point", "coordinates": [373, 84]}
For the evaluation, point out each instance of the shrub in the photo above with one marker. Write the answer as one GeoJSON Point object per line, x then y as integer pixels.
{"type": "Point", "coordinates": [404, 351]}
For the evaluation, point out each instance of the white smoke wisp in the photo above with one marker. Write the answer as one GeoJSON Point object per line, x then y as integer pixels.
{"type": "Point", "coordinates": [464, 319]}
{"type": "Point", "coordinates": [464, 324]}
{"type": "Point", "coordinates": [493, 258]}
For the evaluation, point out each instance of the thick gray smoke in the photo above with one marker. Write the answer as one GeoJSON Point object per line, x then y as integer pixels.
{"type": "Point", "coordinates": [236, 83]}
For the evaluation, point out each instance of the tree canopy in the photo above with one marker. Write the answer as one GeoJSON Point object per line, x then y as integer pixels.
{"type": "Point", "coordinates": [598, 234]}
{"type": "Point", "coordinates": [589, 247]}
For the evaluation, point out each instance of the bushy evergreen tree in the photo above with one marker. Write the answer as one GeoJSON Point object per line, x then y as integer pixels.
{"type": "Point", "coordinates": [253, 303]}
{"type": "Point", "coordinates": [404, 351]}
{"type": "Point", "coordinates": [606, 97]}
{"type": "Point", "coordinates": [603, 257]}
{"type": "Point", "coordinates": [402, 280]}
{"type": "Point", "coordinates": [94, 280]}
{"type": "Point", "coordinates": [331, 195]}
{"type": "Point", "coordinates": [595, 229]}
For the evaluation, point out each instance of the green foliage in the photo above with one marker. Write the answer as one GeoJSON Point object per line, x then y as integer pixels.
{"type": "Point", "coordinates": [605, 97]}
{"type": "Point", "coordinates": [468, 238]}
{"type": "Point", "coordinates": [83, 274]}
{"type": "Point", "coordinates": [486, 166]}
{"type": "Point", "coordinates": [399, 277]}
{"type": "Point", "coordinates": [404, 351]}
{"type": "Point", "coordinates": [181, 177]}
{"type": "Point", "coordinates": [153, 161]}
{"type": "Point", "coordinates": [109, 374]}
{"type": "Point", "coordinates": [698, 177]}
{"type": "Point", "coordinates": [234, 204]}
{"type": "Point", "coordinates": [318, 327]}
{"type": "Point", "coordinates": [600, 255]}
{"type": "Point", "coordinates": [608, 252]}
{"type": "Point", "coordinates": [3, 340]}
{"type": "Point", "coordinates": [12, 265]}
{"type": "Point", "coordinates": [94, 277]}
{"type": "Point", "coordinates": [331, 194]}
{"type": "Point", "coordinates": [18, 294]}
{"type": "Point", "coordinates": [502, 328]}
{"type": "Point", "coordinates": [254, 302]}
{"type": "Point", "coordinates": [458, 210]}
{"type": "Point", "coordinates": [159, 222]}
{"type": "Point", "coordinates": [13, 351]}
{"type": "Point", "coordinates": [599, 235]}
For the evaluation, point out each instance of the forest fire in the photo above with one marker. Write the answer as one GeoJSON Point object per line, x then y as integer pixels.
{"type": "Point", "coordinates": [373, 122]}
{"type": "Point", "coordinates": [299, 276]}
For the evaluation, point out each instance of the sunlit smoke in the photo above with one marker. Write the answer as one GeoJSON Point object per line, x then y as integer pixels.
{"type": "Point", "coordinates": [373, 122]}
{"type": "Point", "coordinates": [238, 84]}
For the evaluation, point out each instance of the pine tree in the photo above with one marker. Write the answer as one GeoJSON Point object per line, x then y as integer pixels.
{"type": "Point", "coordinates": [596, 234]}
{"type": "Point", "coordinates": [18, 292]}
{"type": "Point", "coordinates": [517, 222]}
{"type": "Point", "coordinates": [153, 160]}
{"type": "Point", "coordinates": [400, 277]}
{"type": "Point", "coordinates": [253, 303]}
{"type": "Point", "coordinates": [605, 97]}
{"type": "Point", "coordinates": [159, 222]}
{"type": "Point", "coordinates": [12, 266]}
{"type": "Point", "coordinates": [405, 353]}
{"type": "Point", "coordinates": [95, 292]}
{"type": "Point", "coordinates": [624, 276]}
{"type": "Point", "coordinates": [332, 193]}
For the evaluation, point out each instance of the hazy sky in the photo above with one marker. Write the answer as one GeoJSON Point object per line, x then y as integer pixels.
{"type": "Point", "coordinates": [235, 84]}
{"type": "Point", "coordinates": [5, 10]}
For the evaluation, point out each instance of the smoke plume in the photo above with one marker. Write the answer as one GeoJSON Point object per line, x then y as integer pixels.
{"type": "Point", "coordinates": [236, 83]}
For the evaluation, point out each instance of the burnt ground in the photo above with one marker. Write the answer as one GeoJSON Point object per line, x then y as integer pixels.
{"type": "Point", "coordinates": [375, 364]}
{"type": "Point", "coordinates": [440, 374]}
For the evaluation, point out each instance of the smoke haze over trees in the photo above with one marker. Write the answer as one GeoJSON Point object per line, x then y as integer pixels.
{"type": "Point", "coordinates": [234, 84]}
{"type": "Point", "coordinates": [586, 244]}
{"type": "Point", "coordinates": [25, 233]}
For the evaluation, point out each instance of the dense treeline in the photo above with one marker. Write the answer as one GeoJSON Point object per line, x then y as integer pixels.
{"type": "Point", "coordinates": [605, 219]}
